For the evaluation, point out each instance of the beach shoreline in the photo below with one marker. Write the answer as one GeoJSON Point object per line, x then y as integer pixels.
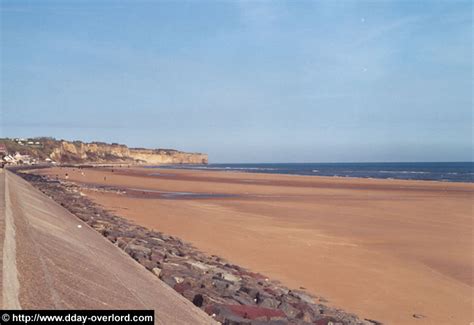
{"type": "Point", "coordinates": [335, 237]}
{"type": "Point", "coordinates": [458, 172]}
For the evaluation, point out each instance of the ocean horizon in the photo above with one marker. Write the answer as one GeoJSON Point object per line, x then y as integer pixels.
{"type": "Point", "coordinates": [428, 171]}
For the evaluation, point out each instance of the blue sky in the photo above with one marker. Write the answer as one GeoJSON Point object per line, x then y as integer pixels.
{"type": "Point", "coordinates": [296, 81]}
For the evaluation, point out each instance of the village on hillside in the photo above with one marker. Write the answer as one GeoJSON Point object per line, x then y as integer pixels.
{"type": "Point", "coordinates": [20, 155]}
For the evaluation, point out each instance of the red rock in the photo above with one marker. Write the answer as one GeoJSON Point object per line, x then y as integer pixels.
{"type": "Point", "coordinates": [182, 287]}
{"type": "Point", "coordinates": [270, 291]}
{"type": "Point", "coordinates": [325, 321]}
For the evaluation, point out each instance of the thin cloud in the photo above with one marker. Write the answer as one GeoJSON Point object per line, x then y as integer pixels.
{"type": "Point", "coordinates": [385, 29]}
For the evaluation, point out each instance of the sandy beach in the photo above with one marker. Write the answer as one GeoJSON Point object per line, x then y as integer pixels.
{"type": "Point", "coordinates": [400, 252]}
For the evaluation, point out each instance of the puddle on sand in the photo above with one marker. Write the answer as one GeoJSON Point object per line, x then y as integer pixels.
{"type": "Point", "coordinates": [181, 195]}
{"type": "Point", "coordinates": [162, 175]}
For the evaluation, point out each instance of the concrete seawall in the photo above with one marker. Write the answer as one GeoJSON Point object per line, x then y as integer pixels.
{"type": "Point", "coordinates": [52, 260]}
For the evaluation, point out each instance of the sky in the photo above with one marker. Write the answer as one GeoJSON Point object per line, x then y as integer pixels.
{"type": "Point", "coordinates": [244, 81]}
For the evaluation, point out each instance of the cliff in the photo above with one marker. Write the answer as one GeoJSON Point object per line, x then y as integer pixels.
{"type": "Point", "coordinates": [161, 156]}
{"type": "Point", "coordinates": [77, 151]}
{"type": "Point", "coordinates": [99, 152]}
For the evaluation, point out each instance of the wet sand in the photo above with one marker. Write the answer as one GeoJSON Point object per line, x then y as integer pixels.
{"type": "Point", "coordinates": [383, 249]}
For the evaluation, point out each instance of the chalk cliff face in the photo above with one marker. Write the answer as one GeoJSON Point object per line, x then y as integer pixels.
{"type": "Point", "coordinates": [65, 151]}
{"type": "Point", "coordinates": [168, 156]}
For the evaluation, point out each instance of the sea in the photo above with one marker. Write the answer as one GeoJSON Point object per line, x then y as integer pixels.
{"type": "Point", "coordinates": [426, 171]}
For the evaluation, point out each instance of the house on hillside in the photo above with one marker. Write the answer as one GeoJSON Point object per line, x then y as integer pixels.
{"type": "Point", "coordinates": [8, 159]}
{"type": "Point", "coordinates": [22, 159]}
{"type": "Point", "coordinates": [3, 150]}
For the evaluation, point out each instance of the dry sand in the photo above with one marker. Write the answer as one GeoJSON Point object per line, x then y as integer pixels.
{"type": "Point", "coordinates": [383, 249]}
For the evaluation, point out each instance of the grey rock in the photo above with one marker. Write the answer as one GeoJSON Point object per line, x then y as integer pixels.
{"type": "Point", "coordinates": [138, 249]}
{"type": "Point", "coordinates": [243, 299]}
{"type": "Point", "coordinates": [269, 303]}
{"type": "Point", "coordinates": [302, 296]}
{"type": "Point", "coordinates": [198, 266]}
{"type": "Point", "coordinates": [289, 310]}
{"type": "Point", "coordinates": [236, 320]}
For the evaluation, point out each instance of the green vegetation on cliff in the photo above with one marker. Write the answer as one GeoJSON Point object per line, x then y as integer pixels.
{"type": "Point", "coordinates": [97, 152]}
